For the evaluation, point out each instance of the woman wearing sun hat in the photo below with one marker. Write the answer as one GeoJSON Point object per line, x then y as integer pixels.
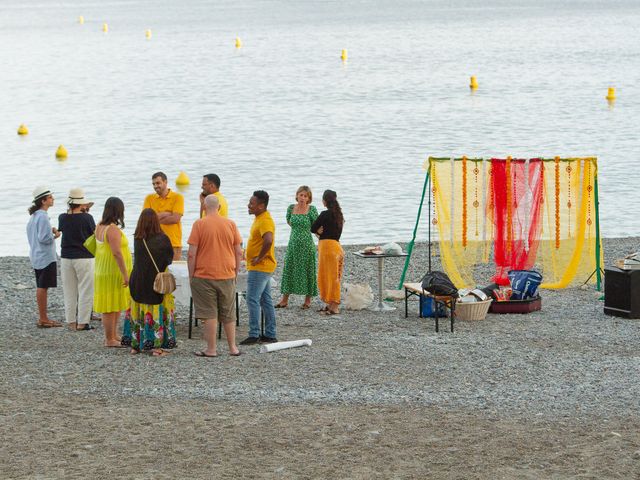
{"type": "Point", "coordinates": [77, 262]}
{"type": "Point", "coordinates": [42, 251]}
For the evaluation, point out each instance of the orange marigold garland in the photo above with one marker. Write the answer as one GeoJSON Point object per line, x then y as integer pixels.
{"type": "Point", "coordinates": [464, 201]}
{"type": "Point", "coordinates": [557, 194]}
{"type": "Point", "coordinates": [569, 205]}
{"type": "Point", "coordinates": [476, 204]}
{"type": "Point", "coordinates": [509, 205]}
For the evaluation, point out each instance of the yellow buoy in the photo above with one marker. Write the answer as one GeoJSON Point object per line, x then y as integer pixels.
{"type": "Point", "coordinates": [105, 27]}
{"type": "Point", "coordinates": [238, 42]}
{"type": "Point", "coordinates": [23, 130]}
{"type": "Point", "coordinates": [81, 20]}
{"type": "Point", "coordinates": [148, 33]}
{"type": "Point", "coordinates": [344, 55]}
{"type": "Point", "coordinates": [61, 152]}
{"type": "Point", "coordinates": [611, 94]}
{"type": "Point", "coordinates": [182, 179]}
{"type": "Point", "coordinates": [473, 84]}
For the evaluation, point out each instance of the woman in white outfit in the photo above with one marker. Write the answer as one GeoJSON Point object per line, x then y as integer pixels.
{"type": "Point", "coordinates": [77, 262]}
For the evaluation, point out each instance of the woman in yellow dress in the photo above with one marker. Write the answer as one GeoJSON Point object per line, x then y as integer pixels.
{"type": "Point", "coordinates": [112, 268]}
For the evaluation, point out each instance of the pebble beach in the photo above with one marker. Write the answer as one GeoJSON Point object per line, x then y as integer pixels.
{"type": "Point", "coordinates": [550, 394]}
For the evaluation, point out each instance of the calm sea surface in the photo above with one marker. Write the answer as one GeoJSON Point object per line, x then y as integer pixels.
{"type": "Point", "coordinates": [284, 110]}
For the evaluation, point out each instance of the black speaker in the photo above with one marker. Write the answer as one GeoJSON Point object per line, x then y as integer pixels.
{"type": "Point", "coordinates": [622, 292]}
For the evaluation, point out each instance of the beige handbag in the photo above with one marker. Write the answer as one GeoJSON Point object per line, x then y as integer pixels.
{"type": "Point", "coordinates": [164, 282]}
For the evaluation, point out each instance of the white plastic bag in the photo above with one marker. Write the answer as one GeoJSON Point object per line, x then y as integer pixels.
{"type": "Point", "coordinates": [392, 249]}
{"type": "Point", "coordinates": [357, 296]}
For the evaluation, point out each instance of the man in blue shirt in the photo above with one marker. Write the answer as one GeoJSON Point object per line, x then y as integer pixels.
{"type": "Point", "coordinates": [42, 251]}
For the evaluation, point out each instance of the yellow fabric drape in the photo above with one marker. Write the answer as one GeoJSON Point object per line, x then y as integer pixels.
{"type": "Point", "coordinates": [567, 244]}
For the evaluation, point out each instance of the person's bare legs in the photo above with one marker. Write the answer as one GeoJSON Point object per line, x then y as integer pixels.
{"type": "Point", "coordinates": [41, 298]}
{"type": "Point", "coordinates": [230, 333]}
{"type": "Point", "coordinates": [284, 301]}
{"type": "Point", "coordinates": [307, 301]}
{"type": "Point", "coordinates": [177, 253]}
{"type": "Point", "coordinates": [110, 325]}
{"type": "Point", "coordinates": [209, 334]}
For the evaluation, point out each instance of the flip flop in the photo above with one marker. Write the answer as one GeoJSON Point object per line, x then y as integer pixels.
{"type": "Point", "coordinates": [323, 309]}
{"type": "Point", "coordinates": [236, 354]}
{"type": "Point", "coordinates": [203, 354]}
{"type": "Point", "coordinates": [305, 306]}
{"type": "Point", "coordinates": [280, 306]}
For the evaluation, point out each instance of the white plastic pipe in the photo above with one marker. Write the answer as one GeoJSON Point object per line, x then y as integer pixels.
{"type": "Point", "coordinates": [272, 347]}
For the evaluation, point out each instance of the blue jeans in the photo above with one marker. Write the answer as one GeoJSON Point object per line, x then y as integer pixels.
{"type": "Point", "coordinates": [259, 295]}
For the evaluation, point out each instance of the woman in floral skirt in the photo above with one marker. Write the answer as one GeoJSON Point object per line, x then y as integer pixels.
{"type": "Point", "coordinates": [150, 323]}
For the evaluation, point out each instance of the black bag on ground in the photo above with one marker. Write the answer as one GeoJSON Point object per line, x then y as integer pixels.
{"type": "Point", "coordinates": [438, 283]}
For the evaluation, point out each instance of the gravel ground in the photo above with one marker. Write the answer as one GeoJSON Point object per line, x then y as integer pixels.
{"type": "Point", "coordinates": [552, 394]}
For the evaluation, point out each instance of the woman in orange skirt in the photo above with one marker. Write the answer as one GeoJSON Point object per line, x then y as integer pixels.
{"type": "Point", "coordinates": [328, 226]}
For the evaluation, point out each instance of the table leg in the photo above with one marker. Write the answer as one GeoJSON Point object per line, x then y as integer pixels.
{"type": "Point", "coordinates": [381, 306]}
{"type": "Point", "coordinates": [190, 315]}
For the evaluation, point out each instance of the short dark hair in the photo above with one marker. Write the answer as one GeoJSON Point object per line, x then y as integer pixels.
{"type": "Point", "coordinates": [262, 197]}
{"type": "Point", "coordinates": [113, 212]}
{"type": "Point", "coordinates": [159, 174]}
{"type": "Point", "coordinates": [213, 178]}
{"type": "Point", "coordinates": [148, 224]}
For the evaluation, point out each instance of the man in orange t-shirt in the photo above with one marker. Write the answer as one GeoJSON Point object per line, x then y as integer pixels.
{"type": "Point", "coordinates": [213, 260]}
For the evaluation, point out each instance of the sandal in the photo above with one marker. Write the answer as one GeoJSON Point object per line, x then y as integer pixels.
{"type": "Point", "coordinates": [48, 324]}
{"type": "Point", "coordinates": [279, 305]}
{"type": "Point", "coordinates": [323, 309]}
{"type": "Point", "coordinates": [159, 353]}
{"type": "Point", "coordinates": [305, 306]}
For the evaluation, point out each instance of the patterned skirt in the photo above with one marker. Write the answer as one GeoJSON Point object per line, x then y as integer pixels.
{"type": "Point", "coordinates": [150, 326]}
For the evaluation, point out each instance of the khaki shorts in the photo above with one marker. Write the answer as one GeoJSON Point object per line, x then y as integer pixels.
{"type": "Point", "coordinates": [214, 299]}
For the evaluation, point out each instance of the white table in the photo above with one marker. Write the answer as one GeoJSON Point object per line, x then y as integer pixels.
{"type": "Point", "coordinates": [182, 294]}
{"type": "Point", "coordinates": [380, 306]}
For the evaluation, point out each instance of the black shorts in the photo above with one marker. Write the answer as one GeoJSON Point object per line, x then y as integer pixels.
{"type": "Point", "coordinates": [47, 277]}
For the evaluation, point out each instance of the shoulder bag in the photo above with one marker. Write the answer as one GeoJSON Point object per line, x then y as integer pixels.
{"type": "Point", "coordinates": [164, 282]}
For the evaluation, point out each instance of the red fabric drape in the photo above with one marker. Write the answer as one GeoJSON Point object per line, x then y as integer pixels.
{"type": "Point", "coordinates": [516, 209]}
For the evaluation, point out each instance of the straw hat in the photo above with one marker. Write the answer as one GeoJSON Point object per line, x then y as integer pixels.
{"type": "Point", "coordinates": [40, 192]}
{"type": "Point", "coordinates": [76, 197]}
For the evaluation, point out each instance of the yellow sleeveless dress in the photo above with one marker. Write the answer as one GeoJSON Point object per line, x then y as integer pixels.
{"type": "Point", "coordinates": [109, 295]}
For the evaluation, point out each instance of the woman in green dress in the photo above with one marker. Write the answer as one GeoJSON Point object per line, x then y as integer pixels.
{"type": "Point", "coordinates": [299, 273]}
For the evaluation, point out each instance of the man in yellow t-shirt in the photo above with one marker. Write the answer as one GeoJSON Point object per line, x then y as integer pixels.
{"type": "Point", "coordinates": [261, 263]}
{"type": "Point", "coordinates": [169, 206]}
{"type": "Point", "coordinates": [211, 186]}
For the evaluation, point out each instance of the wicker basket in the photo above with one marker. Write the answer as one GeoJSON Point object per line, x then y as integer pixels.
{"type": "Point", "coordinates": [472, 310]}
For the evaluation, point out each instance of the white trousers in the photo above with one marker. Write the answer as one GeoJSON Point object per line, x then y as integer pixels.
{"type": "Point", "coordinates": [77, 283]}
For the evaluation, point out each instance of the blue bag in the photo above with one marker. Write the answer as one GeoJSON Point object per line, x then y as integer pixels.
{"type": "Point", "coordinates": [524, 283]}
{"type": "Point", "coordinates": [429, 308]}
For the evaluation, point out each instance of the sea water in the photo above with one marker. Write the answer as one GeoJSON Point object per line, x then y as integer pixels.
{"type": "Point", "coordinates": [284, 110]}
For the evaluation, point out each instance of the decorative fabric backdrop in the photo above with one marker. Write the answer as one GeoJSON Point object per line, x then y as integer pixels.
{"type": "Point", "coordinates": [519, 213]}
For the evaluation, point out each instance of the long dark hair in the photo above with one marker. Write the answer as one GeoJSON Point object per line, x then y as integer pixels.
{"type": "Point", "coordinates": [37, 204]}
{"type": "Point", "coordinates": [113, 212]}
{"type": "Point", "coordinates": [331, 200]}
{"type": "Point", "coordinates": [148, 224]}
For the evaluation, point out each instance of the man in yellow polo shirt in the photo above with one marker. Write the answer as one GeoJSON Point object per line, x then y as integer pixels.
{"type": "Point", "coordinates": [261, 263]}
{"type": "Point", "coordinates": [169, 206]}
{"type": "Point", "coordinates": [211, 186]}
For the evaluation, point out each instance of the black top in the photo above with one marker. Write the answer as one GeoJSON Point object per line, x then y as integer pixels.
{"type": "Point", "coordinates": [331, 230]}
{"type": "Point", "coordinates": [144, 273]}
{"type": "Point", "coordinates": [75, 228]}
